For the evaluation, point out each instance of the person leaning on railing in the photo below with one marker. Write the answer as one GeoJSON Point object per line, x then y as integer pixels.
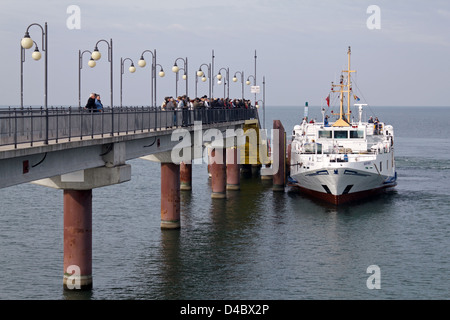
{"type": "Point", "coordinates": [98, 104]}
{"type": "Point", "coordinates": [90, 105]}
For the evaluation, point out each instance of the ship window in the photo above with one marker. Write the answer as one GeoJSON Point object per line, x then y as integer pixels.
{"type": "Point", "coordinates": [341, 134]}
{"type": "Point", "coordinates": [357, 134]}
{"type": "Point", "coordinates": [325, 134]}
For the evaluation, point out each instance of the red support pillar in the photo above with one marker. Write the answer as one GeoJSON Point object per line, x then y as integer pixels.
{"type": "Point", "coordinates": [279, 177]}
{"type": "Point", "coordinates": [186, 176]}
{"type": "Point", "coordinates": [218, 173]}
{"type": "Point", "coordinates": [233, 169]}
{"type": "Point", "coordinates": [170, 196]}
{"type": "Point", "coordinates": [77, 239]}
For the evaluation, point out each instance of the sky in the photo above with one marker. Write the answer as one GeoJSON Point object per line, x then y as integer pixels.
{"type": "Point", "coordinates": [400, 50]}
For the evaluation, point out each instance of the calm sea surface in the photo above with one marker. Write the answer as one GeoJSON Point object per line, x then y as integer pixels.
{"type": "Point", "coordinates": [255, 245]}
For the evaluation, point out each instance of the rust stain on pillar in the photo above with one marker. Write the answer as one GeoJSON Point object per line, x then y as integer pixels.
{"type": "Point", "coordinates": [77, 239]}
{"type": "Point", "coordinates": [170, 196]}
{"type": "Point", "coordinates": [185, 176]}
{"type": "Point", "coordinates": [280, 176]}
{"type": "Point", "coordinates": [233, 169]}
{"type": "Point", "coordinates": [218, 174]}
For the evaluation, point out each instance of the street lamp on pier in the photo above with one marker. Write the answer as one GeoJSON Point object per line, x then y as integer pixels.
{"type": "Point", "coordinates": [91, 64]}
{"type": "Point", "coordinates": [201, 73]}
{"type": "Point", "coordinates": [96, 55]}
{"type": "Point", "coordinates": [132, 69]}
{"type": "Point", "coordinates": [227, 82]}
{"type": "Point", "coordinates": [142, 63]}
{"type": "Point", "coordinates": [235, 79]}
{"type": "Point", "coordinates": [175, 69]}
{"type": "Point", "coordinates": [27, 43]}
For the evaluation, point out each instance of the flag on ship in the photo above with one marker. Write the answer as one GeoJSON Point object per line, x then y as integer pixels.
{"type": "Point", "coordinates": [328, 100]}
{"type": "Point", "coordinates": [356, 97]}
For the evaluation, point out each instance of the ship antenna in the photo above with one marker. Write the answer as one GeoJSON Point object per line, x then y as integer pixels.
{"type": "Point", "coordinates": [345, 122]}
{"type": "Point", "coordinates": [349, 87]}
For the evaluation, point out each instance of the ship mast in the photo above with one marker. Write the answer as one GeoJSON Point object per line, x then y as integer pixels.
{"type": "Point", "coordinates": [343, 120]}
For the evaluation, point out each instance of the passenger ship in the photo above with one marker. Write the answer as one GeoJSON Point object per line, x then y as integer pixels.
{"type": "Point", "coordinates": [342, 161]}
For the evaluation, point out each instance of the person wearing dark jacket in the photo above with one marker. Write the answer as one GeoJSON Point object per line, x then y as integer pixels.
{"type": "Point", "coordinates": [90, 105]}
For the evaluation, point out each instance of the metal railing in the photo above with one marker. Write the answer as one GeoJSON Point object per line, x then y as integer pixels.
{"type": "Point", "coordinates": [30, 125]}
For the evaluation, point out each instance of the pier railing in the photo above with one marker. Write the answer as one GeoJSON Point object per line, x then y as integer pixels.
{"type": "Point", "coordinates": [30, 125]}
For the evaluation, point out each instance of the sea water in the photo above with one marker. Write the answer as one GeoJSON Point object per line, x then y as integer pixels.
{"type": "Point", "coordinates": [256, 244]}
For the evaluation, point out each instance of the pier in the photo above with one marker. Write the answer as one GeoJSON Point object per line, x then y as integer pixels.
{"type": "Point", "coordinates": [77, 151]}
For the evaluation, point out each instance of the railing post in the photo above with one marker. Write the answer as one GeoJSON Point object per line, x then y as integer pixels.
{"type": "Point", "coordinates": [92, 124]}
{"type": "Point", "coordinates": [15, 128]}
{"type": "Point", "coordinates": [81, 124]}
{"type": "Point", "coordinates": [57, 127]}
{"type": "Point", "coordinates": [31, 126]}
{"type": "Point", "coordinates": [70, 123]}
{"type": "Point", "coordinates": [112, 121]}
{"type": "Point", "coordinates": [103, 122]}
{"type": "Point", "coordinates": [142, 123]}
{"type": "Point", "coordinates": [46, 124]}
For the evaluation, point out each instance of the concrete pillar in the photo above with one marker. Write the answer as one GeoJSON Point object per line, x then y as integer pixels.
{"type": "Point", "coordinates": [77, 239]}
{"type": "Point", "coordinates": [185, 176]}
{"type": "Point", "coordinates": [77, 188]}
{"type": "Point", "coordinates": [233, 169]}
{"type": "Point", "coordinates": [218, 173]}
{"type": "Point", "coordinates": [170, 196]}
{"type": "Point", "coordinates": [280, 176]}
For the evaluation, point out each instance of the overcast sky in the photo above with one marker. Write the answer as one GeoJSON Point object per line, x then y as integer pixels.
{"type": "Point", "coordinates": [301, 47]}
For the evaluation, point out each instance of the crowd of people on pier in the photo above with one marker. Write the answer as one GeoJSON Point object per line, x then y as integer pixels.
{"type": "Point", "coordinates": [94, 103]}
{"type": "Point", "coordinates": [199, 106]}
{"type": "Point", "coordinates": [184, 102]}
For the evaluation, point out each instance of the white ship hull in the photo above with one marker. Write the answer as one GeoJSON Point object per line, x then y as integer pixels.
{"type": "Point", "coordinates": [341, 182]}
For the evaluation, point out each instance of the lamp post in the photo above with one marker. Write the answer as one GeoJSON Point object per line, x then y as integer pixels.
{"type": "Point", "coordinates": [175, 69]}
{"type": "Point", "coordinates": [142, 63]}
{"type": "Point", "coordinates": [27, 43]}
{"type": "Point", "coordinates": [212, 73]}
{"type": "Point", "coordinates": [254, 78]}
{"type": "Point", "coordinates": [132, 69]}
{"type": "Point", "coordinates": [161, 74]}
{"type": "Point", "coordinates": [176, 80]}
{"type": "Point", "coordinates": [264, 102]}
{"type": "Point", "coordinates": [91, 64]}
{"type": "Point", "coordinates": [227, 82]}
{"type": "Point", "coordinates": [201, 74]}
{"type": "Point", "coordinates": [96, 55]}
{"type": "Point", "coordinates": [36, 55]}
{"type": "Point", "coordinates": [235, 79]}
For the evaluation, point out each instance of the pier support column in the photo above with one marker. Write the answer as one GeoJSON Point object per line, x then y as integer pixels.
{"type": "Point", "coordinates": [170, 196]}
{"type": "Point", "coordinates": [77, 188]}
{"type": "Point", "coordinates": [279, 177]}
{"type": "Point", "coordinates": [185, 176]}
{"type": "Point", "coordinates": [233, 173]}
{"type": "Point", "coordinates": [77, 239]}
{"type": "Point", "coordinates": [218, 173]}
